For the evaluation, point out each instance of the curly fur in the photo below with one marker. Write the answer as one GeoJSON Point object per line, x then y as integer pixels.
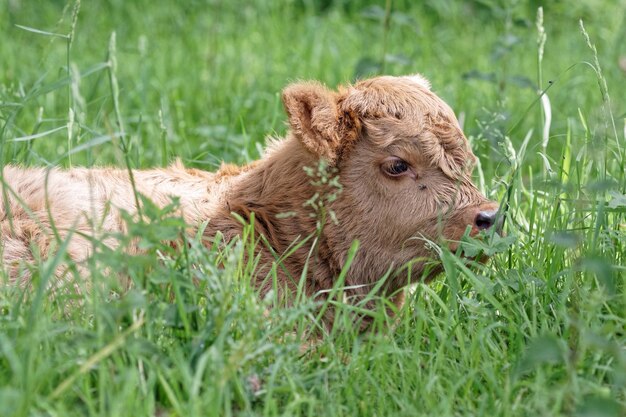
{"type": "Point", "coordinates": [354, 129]}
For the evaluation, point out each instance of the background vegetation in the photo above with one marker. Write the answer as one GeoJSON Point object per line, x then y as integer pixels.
{"type": "Point", "coordinates": [541, 330]}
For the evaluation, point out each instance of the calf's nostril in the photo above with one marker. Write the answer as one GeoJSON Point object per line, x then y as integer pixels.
{"type": "Point", "coordinates": [486, 219]}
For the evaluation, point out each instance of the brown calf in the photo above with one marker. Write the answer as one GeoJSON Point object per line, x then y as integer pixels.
{"type": "Point", "coordinates": [402, 160]}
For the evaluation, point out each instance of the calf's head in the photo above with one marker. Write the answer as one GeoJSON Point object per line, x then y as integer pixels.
{"type": "Point", "coordinates": [404, 164]}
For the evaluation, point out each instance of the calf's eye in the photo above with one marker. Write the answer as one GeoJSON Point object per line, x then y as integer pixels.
{"type": "Point", "coordinates": [395, 167]}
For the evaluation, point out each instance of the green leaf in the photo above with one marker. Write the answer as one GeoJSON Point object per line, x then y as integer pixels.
{"type": "Point", "coordinates": [565, 239]}
{"type": "Point", "coordinates": [43, 32]}
{"type": "Point", "coordinates": [473, 247]}
{"type": "Point", "coordinates": [618, 200]}
{"type": "Point", "coordinates": [603, 270]}
{"type": "Point", "coordinates": [595, 406]}
{"type": "Point", "coordinates": [541, 350]}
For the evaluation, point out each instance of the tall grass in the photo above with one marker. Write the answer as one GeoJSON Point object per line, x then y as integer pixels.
{"type": "Point", "coordinates": [539, 330]}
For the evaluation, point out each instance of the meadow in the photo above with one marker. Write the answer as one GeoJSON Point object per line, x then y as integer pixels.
{"type": "Point", "coordinates": [540, 330]}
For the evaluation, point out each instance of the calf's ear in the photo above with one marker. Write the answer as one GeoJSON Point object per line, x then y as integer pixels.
{"type": "Point", "coordinates": [317, 121]}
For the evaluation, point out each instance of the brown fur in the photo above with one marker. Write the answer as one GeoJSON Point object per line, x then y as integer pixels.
{"type": "Point", "coordinates": [353, 129]}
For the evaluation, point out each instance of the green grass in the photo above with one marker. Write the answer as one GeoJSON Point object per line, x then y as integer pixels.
{"type": "Point", "coordinates": [539, 331]}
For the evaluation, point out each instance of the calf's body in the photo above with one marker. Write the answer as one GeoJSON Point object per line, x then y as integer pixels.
{"type": "Point", "coordinates": [402, 161]}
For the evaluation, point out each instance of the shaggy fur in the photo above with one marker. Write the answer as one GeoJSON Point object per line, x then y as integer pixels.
{"type": "Point", "coordinates": [356, 129]}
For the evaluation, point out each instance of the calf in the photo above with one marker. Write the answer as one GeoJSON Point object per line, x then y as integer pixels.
{"type": "Point", "coordinates": [404, 169]}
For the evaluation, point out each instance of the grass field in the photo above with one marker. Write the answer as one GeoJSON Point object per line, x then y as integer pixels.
{"type": "Point", "coordinates": [539, 331]}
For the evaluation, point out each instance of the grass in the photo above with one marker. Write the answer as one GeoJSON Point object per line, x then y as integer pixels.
{"type": "Point", "coordinates": [540, 330]}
